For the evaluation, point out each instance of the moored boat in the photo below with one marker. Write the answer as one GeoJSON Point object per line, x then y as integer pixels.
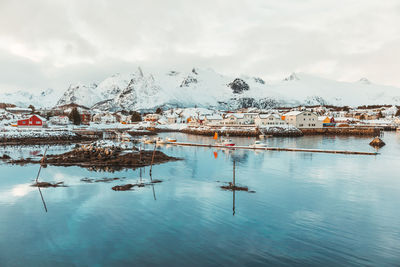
{"type": "Point", "coordinates": [147, 140]}
{"type": "Point", "coordinates": [169, 139]}
{"type": "Point", "coordinates": [225, 142]}
{"type": "Point", "coordinates": [258, 144]}
{"type": "Point", "coordinates": [160, 141]}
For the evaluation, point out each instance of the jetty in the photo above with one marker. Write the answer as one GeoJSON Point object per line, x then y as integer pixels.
{"type": "Point", "coordinates": [310, 150]}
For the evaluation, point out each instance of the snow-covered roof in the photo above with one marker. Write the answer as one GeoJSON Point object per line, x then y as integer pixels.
{"type": "Point", "coordinates": [172, 116]}
{"type": "Point", "coordinates": [19, 109]}
{"type": "Point", "coordinates": [236, 115]}
{"type": "Point", "coordinates": [265, 116]}
{"type": "Point", "coordinates": [214, 117]}
{"type": "Point", "coordinates": [40, 117]}
{"type": "Point", "coordinates": [294, 113]}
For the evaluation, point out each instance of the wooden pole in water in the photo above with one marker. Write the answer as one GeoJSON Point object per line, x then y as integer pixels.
{"type": "Point", "coordinates": [140, 152]}
{"type": "Point", "coordinates": [152, 160]}
{"type": "Point", "coordinates": [41, 164]}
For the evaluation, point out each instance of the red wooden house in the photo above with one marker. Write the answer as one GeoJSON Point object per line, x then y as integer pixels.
{"type": "Point", "coordinates": [32, 121]}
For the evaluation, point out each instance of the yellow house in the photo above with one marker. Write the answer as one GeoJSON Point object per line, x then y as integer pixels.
{"type": "Point", "coordinates": [326, 120]}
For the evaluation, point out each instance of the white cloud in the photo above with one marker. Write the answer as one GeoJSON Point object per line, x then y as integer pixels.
{"type": "Point", "coordinates": [53, 43]}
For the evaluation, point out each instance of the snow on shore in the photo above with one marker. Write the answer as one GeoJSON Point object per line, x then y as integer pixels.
{"type": "Point", "coordinates": [34, 133]}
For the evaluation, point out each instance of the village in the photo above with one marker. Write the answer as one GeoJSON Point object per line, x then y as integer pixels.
{"type": "Point", "coordinates": [242, 122]}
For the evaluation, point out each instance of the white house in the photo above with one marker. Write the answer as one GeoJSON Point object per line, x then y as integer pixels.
{"type": "Point", "coordinates": [303, 119]}
{"type": "Point", "coordinates": [272, 120]}
{"type": "Point", "coordinates": [214, 119]}
{"type": "Point", "coordinates": [59, 120]}
{"type": "Point", "coordinates": [152, 117]}
{"type": "Point", "coordinates": [104, 118]}
{"type": "Point", "coordinates": [239, 119]}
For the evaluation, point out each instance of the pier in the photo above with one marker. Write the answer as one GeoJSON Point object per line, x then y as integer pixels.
{"type": "Point", "coordinates": [310, 150]}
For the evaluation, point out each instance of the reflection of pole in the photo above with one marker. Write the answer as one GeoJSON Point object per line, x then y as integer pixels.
{"type": "Point", "coordinates": [234, 163]}
{"type": "Point", "coordinates": [154, 192]}
{"type": "Point", "coordinates": [233, 206]}
{"type": "Point", "coordinates": [44, 203]}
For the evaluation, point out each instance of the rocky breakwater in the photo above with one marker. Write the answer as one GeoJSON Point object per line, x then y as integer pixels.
{"type": "Point", "coordinates": [101, 158]}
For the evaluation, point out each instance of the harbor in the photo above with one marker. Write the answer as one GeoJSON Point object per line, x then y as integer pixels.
{"type": "Point", "coordinates": [278, 149]}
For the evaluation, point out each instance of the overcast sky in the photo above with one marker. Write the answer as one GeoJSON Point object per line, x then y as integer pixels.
{"type": "Point", "coordinates": [51, 43]}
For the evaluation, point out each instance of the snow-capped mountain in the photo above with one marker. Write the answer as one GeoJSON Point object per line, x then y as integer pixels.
{"type": "Point", "coordinates": [143, 90]}
{"type": "Point", "coordinates": [45, 98]}
{"type": "Point", "coordinates": [80, 94]}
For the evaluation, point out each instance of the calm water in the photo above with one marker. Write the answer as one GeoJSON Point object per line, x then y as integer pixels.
{"type": "Point", "coordinates": [308, 209]}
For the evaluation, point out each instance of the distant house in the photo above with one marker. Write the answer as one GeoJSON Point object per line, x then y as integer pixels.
{"type": "Point", "coordinates": [59, 120]}
{"type": "Point", "coordinates": [18, 110]}
{"type": "Point", "coordinates": [213, 119]}
{"type": "Point", "coordinates": [32, 121]}
{"type": "Point", "coordinates": [171, 119]}
{"type": "Point", "coordinates": [272, 120]}
{"type": "Point", "coordinates": [303, 119]}
{"type": "Point", "coordinates": [152, 117]}
{"type": "Point", "coordinates": [396, 121]}
{"type": "Point", "coordinates": [86, 117]}
{"type": "Point", "coordinates": [327, 121]}
{"type": "Point", "coordinates": [105, 117]}
{"type": "Point", "coordinates": [239, 118]}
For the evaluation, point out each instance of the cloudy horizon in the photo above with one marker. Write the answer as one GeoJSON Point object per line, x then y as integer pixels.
{"type": "Point", "coordinates": [51, 44]}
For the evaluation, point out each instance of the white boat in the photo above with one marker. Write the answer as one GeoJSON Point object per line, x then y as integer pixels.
{"type": "Point", "coordinates": [225, 142]}
{"type": "Point", "coordinates": [160, 141]}
{"type": "Point", "coordinates": [169, 139]}
{"type": "Point", "coordinates": [147, 140]}
{"type": "Point", "coordinates": [258, 144]}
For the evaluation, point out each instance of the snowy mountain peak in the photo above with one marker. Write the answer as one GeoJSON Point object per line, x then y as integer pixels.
{"type": "Point", "coordinates": [364, 80]}
{"type": "Point", "coordinates": [80, 94]}
{"type": "Point", "coordinates": [292, 77]}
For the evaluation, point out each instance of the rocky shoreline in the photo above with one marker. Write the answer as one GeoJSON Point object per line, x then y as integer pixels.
{"type": "Point", "coordinates": [108, 159]}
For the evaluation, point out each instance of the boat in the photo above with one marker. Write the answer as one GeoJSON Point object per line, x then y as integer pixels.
{"type": "Point", "coordinates": [147, 140]}
{"type": "Point", "coordinates": [225, 142]}
{"type": "Point", "coordinates": [258, 144]}
{"type": "Point", "coordinates": [398, 129]}
{"type": "Point", "coordinates": [169, 139]}
{"type": "Point", "coordinates": [160, 141]}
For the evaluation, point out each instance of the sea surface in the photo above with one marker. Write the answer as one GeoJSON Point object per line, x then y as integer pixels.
{"type": "Point", "coordinates": [308, 209]}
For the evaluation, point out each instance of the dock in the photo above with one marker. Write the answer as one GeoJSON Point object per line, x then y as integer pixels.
{"type": "Point", "coordinates": [312, 150]}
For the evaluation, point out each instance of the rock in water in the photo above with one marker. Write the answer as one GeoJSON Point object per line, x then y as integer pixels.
{"type": "Point", "coordinates": [377, 142]}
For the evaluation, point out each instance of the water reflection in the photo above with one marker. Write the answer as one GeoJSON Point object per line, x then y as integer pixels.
{"type": "Point", "coordinates": [41, 196]}
{"type": "Point", "coordinates": [309, 209]}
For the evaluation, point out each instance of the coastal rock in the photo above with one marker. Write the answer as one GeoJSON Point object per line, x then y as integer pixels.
{"type": "Point", "coordinates": [377, 142]}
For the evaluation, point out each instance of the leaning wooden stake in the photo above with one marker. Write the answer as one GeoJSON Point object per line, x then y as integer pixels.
{"type": "Point", "coordinates": [41, 164]}
{"type": "Point", "coordinates": [140, 152]}
{"type": "Point", "coordinates": [152, 160]}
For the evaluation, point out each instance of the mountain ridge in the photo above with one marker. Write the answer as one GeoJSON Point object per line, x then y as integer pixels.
{"type": "Point", "coordinates": [206, 88]}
